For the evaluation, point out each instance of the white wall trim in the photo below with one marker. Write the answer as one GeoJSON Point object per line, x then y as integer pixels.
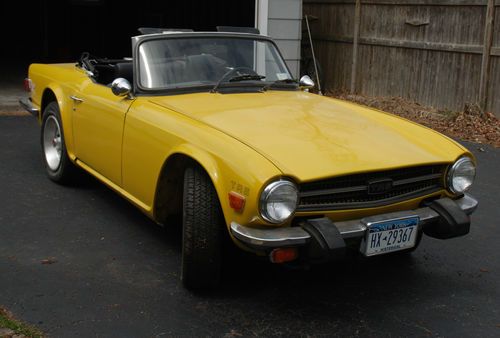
{"type": "Point", "coordinates": [261, 15]}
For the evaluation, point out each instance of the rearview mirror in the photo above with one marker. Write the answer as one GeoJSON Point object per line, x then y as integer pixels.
{"type": "Point", "coordinates": [305, 82]}
{"type": "Point", "coordinates": [121, 87]}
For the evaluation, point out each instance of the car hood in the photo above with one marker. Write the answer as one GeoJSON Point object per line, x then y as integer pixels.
{"type": "Point", "coordinates": [309, 137]}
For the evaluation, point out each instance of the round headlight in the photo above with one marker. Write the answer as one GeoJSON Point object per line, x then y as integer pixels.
{"type": "Point", "coordinates": [461, 175]}
{"type": "Point", "coordinates": [278, 201]}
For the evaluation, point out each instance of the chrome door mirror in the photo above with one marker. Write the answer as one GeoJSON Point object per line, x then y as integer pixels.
{"type": "Point", "coordinates": [305, 82]}
{"type": "Point", "coordinates": [121, 87]}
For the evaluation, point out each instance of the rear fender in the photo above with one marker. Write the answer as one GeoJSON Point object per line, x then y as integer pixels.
{"type": "Point", "coordinates": [65, 109]}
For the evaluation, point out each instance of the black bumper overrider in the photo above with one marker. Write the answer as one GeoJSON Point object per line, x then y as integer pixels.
{"type": "Point", "coordinates": [443, 218]}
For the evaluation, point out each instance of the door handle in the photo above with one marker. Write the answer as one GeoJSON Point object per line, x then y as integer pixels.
{"type": "Point", "coordinates": [76, 98]}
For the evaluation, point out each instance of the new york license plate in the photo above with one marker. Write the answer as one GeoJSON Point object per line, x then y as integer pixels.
{"type": "Point", "coordinates": [390, 235]}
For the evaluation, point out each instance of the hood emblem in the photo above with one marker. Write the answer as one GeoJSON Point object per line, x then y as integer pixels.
{"type": "Point", "coordinates": [381, 186]}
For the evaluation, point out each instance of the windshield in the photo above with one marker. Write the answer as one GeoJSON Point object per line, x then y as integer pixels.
{"type": "Point", "coordinates": [203, 61]}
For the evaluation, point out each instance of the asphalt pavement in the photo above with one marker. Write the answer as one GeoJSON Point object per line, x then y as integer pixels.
{"type": "Point", "coordinates": [81, 261]}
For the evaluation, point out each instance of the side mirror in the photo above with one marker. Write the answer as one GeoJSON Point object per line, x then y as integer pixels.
{"type": "Point", "coordinates": [121, 87]}
{"type": "Point", "coordinates": [305, 82]}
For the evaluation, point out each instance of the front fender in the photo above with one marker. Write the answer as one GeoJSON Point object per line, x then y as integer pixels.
{"type": "Point", "coordinates": [226, 178]}
{"type": "Point", "coordinates": [154, 134]}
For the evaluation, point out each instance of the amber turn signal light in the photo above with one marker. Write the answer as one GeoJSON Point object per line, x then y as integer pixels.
{"type": "Point", "coordinates": [283, 255]}
{"type": "Point", "coordinates": [236, 201]}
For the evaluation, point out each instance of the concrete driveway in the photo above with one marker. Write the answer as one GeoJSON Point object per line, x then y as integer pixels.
{"type": "Point", "coordinates": [114, 273]}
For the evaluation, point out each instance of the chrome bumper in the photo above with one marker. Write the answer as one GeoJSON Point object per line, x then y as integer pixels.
{"type": "Point", "coordinates": [296, 236]}
{"type": "Point", "coordinates": [28, 106]}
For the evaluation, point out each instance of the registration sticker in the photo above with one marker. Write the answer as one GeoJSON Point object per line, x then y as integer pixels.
{"type": "Point", "coordinates": [390, 235]}
{"type": "Point", "coordinates": [282, 76]}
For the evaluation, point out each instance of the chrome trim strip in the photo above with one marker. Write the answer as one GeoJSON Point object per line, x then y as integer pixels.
{"type": "Point", "coordinates": [76, 98]}
{"type": "Point", "coordinates": [277, 237]}
{"type": "Point", "coordinates": [365, 187]}
{"type": "Point", "coordinates": [418, 179]}
{"type": "Point", "coordinates": [356, 228]}
{"type": "Point", "coordinates": [467, 203]}
{"type": "Point", "coordinates": [270, 238]}
{"type": "Point", "coordinates": [333, 191]}
{"type": "Point", "coordinates": [367, 204]}
{"type": "Point", "coordinates": [28, 106]}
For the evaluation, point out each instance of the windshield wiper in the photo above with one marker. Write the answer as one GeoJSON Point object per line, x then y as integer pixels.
{"type": "Point", "coordinates": [277, 82]}
{"type": "Point", "coordinates": [244, 77]}
{"type": "Point", "coordinates": [236, 78]}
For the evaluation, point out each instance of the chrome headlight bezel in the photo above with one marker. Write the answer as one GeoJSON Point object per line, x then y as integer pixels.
{"type": "Point", "coordinates": [452, 171]}
{"type": "Point", "coordinates": [271, 189]}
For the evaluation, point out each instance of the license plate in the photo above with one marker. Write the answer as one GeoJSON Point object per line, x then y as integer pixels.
{"type": "Point", "coordinates": [390, 235]}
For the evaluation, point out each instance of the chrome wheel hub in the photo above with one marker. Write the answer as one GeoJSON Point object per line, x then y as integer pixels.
{"type": "Point", "coordinates": [52, 142]}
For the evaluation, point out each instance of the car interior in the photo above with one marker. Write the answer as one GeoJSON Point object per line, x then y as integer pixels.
{"type": "Point", "coordinates": [106, 70]}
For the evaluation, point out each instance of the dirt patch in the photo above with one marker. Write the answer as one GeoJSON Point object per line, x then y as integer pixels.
{"type": "Point", "coordinates": [471, 124]}
{"type": "Point", "coordinates": [9, 109]}
{"type": "Point", "coordinates": [10, 327]}
{"type": "Point", "coordinates": [14, 113]}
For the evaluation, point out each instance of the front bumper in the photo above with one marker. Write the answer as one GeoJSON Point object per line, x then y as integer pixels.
{"type": "Point", "coordinates": [443, 218]}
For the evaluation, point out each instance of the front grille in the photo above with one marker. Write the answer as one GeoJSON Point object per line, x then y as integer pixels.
{"type": "Point", "coordinates": [355, 191]}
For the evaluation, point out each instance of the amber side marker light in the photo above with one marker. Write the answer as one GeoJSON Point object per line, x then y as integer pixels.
{"type": "Point", "coordinates": [236, 201]}
{"type": "Point", "coordinates": [283, 255]}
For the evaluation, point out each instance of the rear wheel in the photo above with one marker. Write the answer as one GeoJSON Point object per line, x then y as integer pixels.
{"type": "Point", "coordinates": [202, 231]}
{"type": "Point", "coordinates": [57, 163]}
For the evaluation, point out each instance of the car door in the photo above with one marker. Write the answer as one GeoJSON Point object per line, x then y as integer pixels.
{"type": "Point", "coordinates": [98, 119]}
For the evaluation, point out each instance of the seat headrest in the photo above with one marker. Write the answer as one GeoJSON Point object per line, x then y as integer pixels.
{"type": "Point", "coordinates": [125, 70]}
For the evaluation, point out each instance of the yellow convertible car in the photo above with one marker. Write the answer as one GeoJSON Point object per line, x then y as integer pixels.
{"type": "Point", "coordinates": [212, 128]}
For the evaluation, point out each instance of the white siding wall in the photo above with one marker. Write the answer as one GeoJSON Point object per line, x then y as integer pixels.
{"type": "Point", "coordinates": [281, 20]}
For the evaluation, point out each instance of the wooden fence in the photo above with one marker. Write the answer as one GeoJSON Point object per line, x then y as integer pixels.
{"type": "Point", "coordinates": [442, 53]}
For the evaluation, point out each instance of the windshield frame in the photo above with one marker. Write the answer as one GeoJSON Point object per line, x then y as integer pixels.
{"type": "Point", "coordinates": [138, 40]}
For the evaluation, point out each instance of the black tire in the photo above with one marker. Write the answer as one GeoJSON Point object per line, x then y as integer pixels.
{"type": "Point", "coordinates": [203, 225]}
{"type": "Point", "coordinates": [64, 172]}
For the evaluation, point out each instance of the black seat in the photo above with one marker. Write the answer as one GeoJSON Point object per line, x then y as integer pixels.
{"type": "Point", "coordinates": [124, 70]}
{"type": "Point", "coordinates": [104, 73]}
{"type": "Point", "coordinates": [204, 67]}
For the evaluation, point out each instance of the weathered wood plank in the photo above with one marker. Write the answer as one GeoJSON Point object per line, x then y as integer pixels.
{"type": "Point", "coordinates": [354, 65]}
{"type": "Point", "coordinates": [442, 80]}
{"type": "Point", "coordinates": [485, 63]}
{"type": "Point", "coordinates": [496, 28]}
{"type": "Point", "coordinates": [445, 47]}
{"type": "Point", "coordinates": [407, 2]}
{"type": "Point", "coordinates": [456, 25]}
{"type": "Point", "coordinates": [493, 103]}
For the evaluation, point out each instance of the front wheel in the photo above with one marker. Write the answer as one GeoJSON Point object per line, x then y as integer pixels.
{"type": "Point", "coordinates": [57, 163]}
{"type": "Point", "coordinates": [203, 226]}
